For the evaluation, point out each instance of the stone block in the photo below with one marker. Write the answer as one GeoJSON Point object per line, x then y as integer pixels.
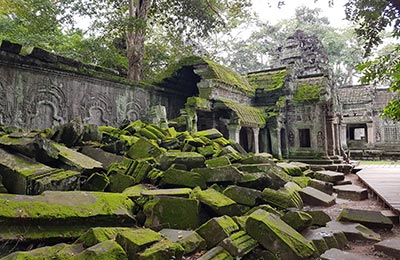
{"type": "Point", "coordinates": [325, 238]}
{"type": "Point", "coordinates": [144, 149]}
{"type": "Point", "coordinates": [329, 176]}
{"type": "Point", "coordinates": [217, 229]}
{"type": "Point", "coordinates": [271, 175]}
{"type": "Point", "coordinates": [336, 254]}
{"type": "Point", "coordinates": [291, 169]}
{"type": "Point", "coordinates": [298, 220]}
{"type": "Point", "coordinates": [239, 244]}
{"type": "Point", "coordinates": [217, 162]}
{"type": "Point", "coordinates": [326, 187]}
{"type": "Point", "coordinates": [390, 214]}
{"type": "Point", "coordinates": [191, 241]}
{"type": "Point", "coordinates": [319, 217]}
{"type": "Point", "coordinates": [181, 178]}
{"type": "Point", "coordinates": [97, 235]}
{"type": "Point", "coordinates": [119, 182]}
{"type": "Point", "coordinates": [96, 182]}
{"type": "Point", "coordinates": [135, 240]}
{"type": "Point", "coordinates": [354, 231]}
{"type": "Point", "coordinates": [216, 253]}
{"type": "Point", "coordinates": [368, 218]}
{"type": "Point", "coordinates": [315, 197]}
{"type": "Point", "coordinates": [225, 174]}
{"type": "Point", "coordinates": [390, 247]}
{"type": "Point", "coordinates": [209, 133]}
{"type": "Point", "coordinates": [302, 181]}
{"type": "Point", "coordinates": [189, 159]}
{"type": "Point", "coordinates": [344, 182]}
{"type": "Point", "coordinates": [351, 192]}
{"type": "Point", "coordinates": [172, 212]}
{"type": "Point", "coordinates": [163, 249]}
{"type": "Point", "coordinates": [77, 160]}
{"type": "Point", "coordinates": [277, 236]}
{"type": "Point", "coordinates": [101, 156]}
{"type": "Point", "coordinates": [135, 192]}
{"type": "Point", "coordinates": [243, 195]}
{"type": "Point", "coordinates": [283, 198]}
{"type": "Point", "coordinates": [178, 192]}
{"type": "Point", "coordinates": [218, 203]}
{"type": "Point", "coordinates": [258, 158]}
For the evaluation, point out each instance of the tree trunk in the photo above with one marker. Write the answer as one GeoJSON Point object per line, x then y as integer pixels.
{"type": "Point", "coordinates": [136, 36]}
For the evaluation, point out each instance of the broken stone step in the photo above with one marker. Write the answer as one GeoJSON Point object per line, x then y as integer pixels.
{"type": "Point", "coordinates": [369, 218]}
{"type": "Point", "coordinates": [336, 254]}
{"type": "Point", "coordinates": [329, 176]}
{"type": "Point", "coordinates": [326, 187]}
{"type": "Point", "coordinates": [390, 247]}
{"type": "Point", "coordinates": [315, 197]}
{"type": "Point", "coordinates": [354, 231]}
{"type": "Point", "coordinates": [343, 182]}
{"type": "Point", "coordinates": [282, 239]}
{"type": "Point", "coordinates": [191, 241]}
{"type": "Point", "coordinates": [393, 216]}
{"type": "Point", "coordinates": [351, 192]}
{"type": "Point", "coordinates": [299, 220]}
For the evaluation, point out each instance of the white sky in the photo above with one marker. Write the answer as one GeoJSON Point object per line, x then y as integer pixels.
{"type": "Point", "coordinates": [273, 14]}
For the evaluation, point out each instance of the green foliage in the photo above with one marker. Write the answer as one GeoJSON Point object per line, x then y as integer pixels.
{"type": "Point", "coordinates": [307, 93]}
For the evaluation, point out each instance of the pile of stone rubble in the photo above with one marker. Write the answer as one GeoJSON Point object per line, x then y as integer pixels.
{"type": "Point", "coordinates": [145, 192]}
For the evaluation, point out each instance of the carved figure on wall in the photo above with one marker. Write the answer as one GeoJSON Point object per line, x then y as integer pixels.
{"type": "Point", "coordinates": [378, 136]}
{"type": "Point", "coordinates": [137, 108]}
{"type": "Point", "coordinates": [291, 138]}
{"type": "Point", "coordinates": [96, 109]}
{"type": "Point", "coordinates": [320, 139]}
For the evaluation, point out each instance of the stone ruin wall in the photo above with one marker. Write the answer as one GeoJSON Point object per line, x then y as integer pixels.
{"type": "Point", "coordinates": [37, 94]}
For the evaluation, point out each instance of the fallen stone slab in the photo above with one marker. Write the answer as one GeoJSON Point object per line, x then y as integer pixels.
{"type": "Point", "coordinates": [217, 229]}
{"type": "Point", "coordinates": [144, 149]}
{"type": "Point", "coordinates": [351, 192]}
{"type": "Point", "coordinates": [354, 231]}
{"type": "Point", "coordinates": [101, 156]}
{"type": "Point", "coordinates": [286, 197]}
{"type": "Point", "coordinates": [281, 239]}
{"type": "Point", "coordinates": [178, 192]}
{"type": "Point", "coordinates": [189, 159]}
{"type": "Point", "coordinates": [178, 178]}
{"type": "Point", "coordinates": [135, 192]}
{"type": "Point", "coordinates": [243, 195]}
{"type": "Point", "coordinates": [217, 162]}
{"type": "Point", "coordinates": [344, 182]}
{"type": "Point", "coordinates": [97, 235]}
{"type": "Point", "coordinates": [302, 181]}
{"type": "Point", "coordinates": [291, 168]}
{"type": "Point", "coordinates": [163, 249]}
{"type": "Point", "coordinates": [256, 158]}
{"type": "Point", "coordinates": [315, 197]}
{"type": "Point", "coordinates": [336, 254]}
{"type": "Point", "coordinates": [326, 187]}
{"type": "Point", "coordinates": [390, 247]}
{"type": "Point", "coordinates": [369, 218]}
{"type": "Point", "coordinates": [46, 252]}
{"type": "Point", "coordinates": [239, 244]}
{"type": "Point", "coordinates": [216, 253]}
{"type": "Point", "coordinates": [135, 240]}
{"type": "Point", "coordinates": [22, 175]}
{"type": "Point", "coordinates": [96, 182]}
{"type": "Point", "coordinates": [275, 177]}
{"type": "Point", "coordinates": [319, 217]}
{"type": "Point", "coordinates": [209, 133]}
{"type": "Point", "coordinates": [224, 174]}
{"type": "Point", "coordinates": [77, 160]}
{"type": "Point", "coordinates": [393, 216]}
{"type": "Point", "coordinates": [329, 176]}
{"type": "Point", "coordinates": [172, 212]}
{"type": "Point", "coordinates": [218, 203]}
{"type": "Point", "coordinates": [298, 220]}
{"type": "Point", "coordinates": [191, 241]}
{"type": "Point", "coordinates": [325, 238]}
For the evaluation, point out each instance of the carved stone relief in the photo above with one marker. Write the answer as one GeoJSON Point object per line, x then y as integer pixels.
{"type": "Point", "coordinates": [137, 108]}
{"type": "Point", "coordinates": [96, 109]}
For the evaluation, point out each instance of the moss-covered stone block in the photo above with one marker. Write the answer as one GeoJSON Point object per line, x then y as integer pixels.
{"type": "Point", "coordinates": [119, 182]}
{"type": "Point", "coordinates": [206, 151]}
{"type": "Point", "coordinates": [277, 236]}
{"type": "Point", "coordinates": [298, 220]}
{"type": "Point", "coordinates": [191, 241]}
{"type": "Point", "coordinates": [316, 197]}
{"type": "Point", "coordinates": [97, 235]}
{"type": "Point", "coordinates": [218, 202]}
{"type": "Point", "coordinates": [96, 182]}
{"type": "Point", "coordinates": [44, 253]}
{"type": "Point", "coordinates": [144, 149]}
{"type": "Point", "coordinates": [319, 217]}
{"type": "Point", "coordinates": [216, 253]}
{"type": "Point", "coordinates": [178, 192]}
{"type": "Point", "coordinates": [291, 169]}
{"type": "Point", "coordinates": [135, 240]}
{"type": "Point", "coordinates": [258, 158]}
{"type": "Point", "coordinates": [178, 178]}
{"type": "Point", "coordinates": [172, 212]}
{"type": "Point", "coordinates": [368, 218]}
{"type": "Point", "coordinates": [302, 181]}
{"type": "Point", "coordinates": [239, 244]}
{"type": "Point", "coordinates": [243, 195]}
{"type": "Point", "coordinates": [209, 133]}
{"type": "Point", "coordinates": [190, 159]}
{"type": "Point", "coordinates": [217, 229]}
{"type": "Point", "coordinates": [77, 160]}
{"type": "Point", "coordinates": [108, 249]}
{"type": "Point", "coordinates": [161, 250]}
{"type": "Point", "coordinates": [135, 192]}
{"type": "Point", "coordinates": [225, 174]}
{"type": "Point", "coordinates": [283, 198]}
{"type": "Point", "coordinates": [218, 162]}
{"type": "Point", "coordinates": [264, 175]}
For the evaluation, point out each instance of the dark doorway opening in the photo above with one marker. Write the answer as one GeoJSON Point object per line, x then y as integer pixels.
{"type": "Point", "coordinates": [305, 137]}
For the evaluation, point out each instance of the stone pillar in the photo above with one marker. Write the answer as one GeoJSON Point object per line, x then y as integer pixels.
{"type": "Point", "coordinates": [337, 138]}
{"type": "Point", "coordinates": [234, 132]}
{"type": "Point", "coordinates": [256, 132]}
{"type": "Point", "coordinates": [370, 133]}
{"type": "Point", "coordinates": [330, 136]}
{"type": "Point", "coordinates": [343, 135]}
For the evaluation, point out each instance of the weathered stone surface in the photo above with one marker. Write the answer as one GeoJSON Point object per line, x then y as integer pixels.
{"type": "Point", "coordinates": [217, 229]}
{"type": "Point", "coordinates": [344, 182]}
{"type": "Point", "coordinates": [163, 249]}
{"type": "Point", "coordinates": [336, 254]}
{"type": "Point", "coordinates": [315, 197]}
{"type": "Point", "coordinates": [144, 149]}
{"type": "Point", "coordinates": [225, 174]}
{"type": "Point", "coordinates": [269, 175]}
{"type": "Point", "coordinates": [46, 252]}
{"type": "Point", "coordinates": [391, 215]}
{"type": "Point", "coordinates": [22, 175]}
{"type": "Point", "coordinates": [76, 159]}
{"type": "Point", "coordinates": [101, 156]}
{"type": "Point", "coordinates": [135, 192]}
{"type": "Point", "coordinates": [354, 231]}
{"type": "Point", "coordinates": [239, 244]}
{"type": "Point", "coordinates": [329, 176]}
{"type": "Point", "coordinates": [216, 253]}
{"type": "Point", "coordinates": [351, 192]}
{"type": "Point", "coordinates": [291, 169]}
{"type": "Point", "coordinates": [189, 159]}
{"type": "Point", "coordinates": [209, 133]}
{"type": "Point", "coordinates": [70, 133]}
{"type": "Point", "coordinates": [319, 217]}
{"type": "Point", "coordinates": [302, 181]}
{"type": "Point", "coordinates": [218, 202]}
{"type": "Point", "coordinates": [172, 212]}
{"type": "Point", "coordinates": [369, 218]}
{"type": "Point", "coordinates": [96, 182]}
{"type": "Point", "coordinates": [326, 187]}
{"type": "Point", "coordinates": [390, 247]}
{"type": "Point", "coordinates": [99, 234]}
{"type": "Point", "coordinates": [191, 241]}
{"type": "Point", "coordinates": [136, 240]}
{"type": "Point", "coordinates": [217, 162]}
{"type": "Point", "coordinates": [325, 238]}
{"type": "Point", "coordinates": [258, 158]}
{"type": "Point", "coordinates": [281, 239]}
{"type": "Point", "coordinates": [178, 178]}
{"type": "Point", "coordinates": [119, 182]}
{"type": "Point", "coordinates": [286, 197]}
{"type": "Point", "coordinates": [298, 220]}
{"type": "Point", "coordinates": [242, 195]}
{"type": "Point", "coordinates": [178, 192]}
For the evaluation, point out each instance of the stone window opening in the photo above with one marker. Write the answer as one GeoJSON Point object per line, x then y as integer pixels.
{"type": "Point", "coordinates": [358, 133]}
{"type": "Point", "coordinates": [305, 137]}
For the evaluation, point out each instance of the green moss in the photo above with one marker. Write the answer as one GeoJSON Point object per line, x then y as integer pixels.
{"type": "Point", "coordinates": [99, 234]}
{"type": "Point", "coordinates": [248, 115]}
{"type": "Point", "coordinates": [307, 93]}
{"type": "Point", "coordinates": [198, 103]}
{"type": "Point", "coordinates": [162, 250]}
{"type": "Point", "coordinates": [270, 80]}
{"type": "Point", "coordinates": [217, 229]}
{"type": "Point", "coordinates": [135, 240]}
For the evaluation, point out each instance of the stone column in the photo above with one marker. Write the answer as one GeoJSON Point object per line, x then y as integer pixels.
{"type": "Point", "coordinates": [234, 132]}
{"type": "Point", "coordinates": [256, 132]}
{"type": "Point", "coordinates": [343, 135]}
{"type": "Point", "coordinates": [370, 133]}
{"type": "Point", "coordinates": [330, 136]}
